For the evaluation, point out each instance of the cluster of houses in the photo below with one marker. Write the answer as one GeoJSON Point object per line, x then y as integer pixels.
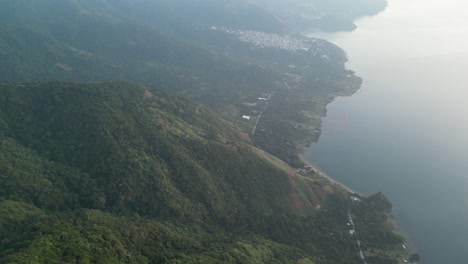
{"type": "Point", "coordinates": [284, 42]}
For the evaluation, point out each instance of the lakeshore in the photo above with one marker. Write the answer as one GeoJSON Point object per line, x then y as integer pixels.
{"type": "Point", "coordinates": [414, 150]}
{"type": "Point", "coordinates": [403, 252]}
{"type": "Point", "coordinates": [320, 172]}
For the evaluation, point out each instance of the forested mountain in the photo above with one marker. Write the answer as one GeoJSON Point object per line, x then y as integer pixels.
{"type": "Point", "coordinates": [95, 168]}
{"type": "Point", "coordinates": [120, 173]}
{"type": "Point", "coordinates": [224, 65]}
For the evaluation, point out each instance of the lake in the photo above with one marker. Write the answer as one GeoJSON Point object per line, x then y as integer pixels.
{"type": "Point", "coordinates": [405, 133]}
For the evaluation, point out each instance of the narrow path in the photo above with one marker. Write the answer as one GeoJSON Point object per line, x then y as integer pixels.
{"type": "Point", "coordinates": [355, 233]}
{"type": "Point", "coordinates": [260, 115]}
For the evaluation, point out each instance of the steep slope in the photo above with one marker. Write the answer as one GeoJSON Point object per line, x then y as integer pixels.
{"type": "Point", "coordinates": [108, 130]}
{"type": "Point", "coordinates": [120, 173]}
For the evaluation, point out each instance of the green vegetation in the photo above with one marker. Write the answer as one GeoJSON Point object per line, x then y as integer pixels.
{"type": "Point", "coordinates": [119, 172]}
{"type": "Point", "coordinates": [380, 241]}
{"type": "Point", "coordinates": [98, 170]}
{"type": "Point", "coordinates": [41, 41]}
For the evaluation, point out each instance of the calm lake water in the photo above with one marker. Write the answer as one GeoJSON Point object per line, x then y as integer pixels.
{"type": "Point", "coordinates": [405, 133]}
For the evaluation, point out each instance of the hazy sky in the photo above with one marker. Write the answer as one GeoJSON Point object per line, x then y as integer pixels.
{"type": "Point", "coordinates": [424, 27]}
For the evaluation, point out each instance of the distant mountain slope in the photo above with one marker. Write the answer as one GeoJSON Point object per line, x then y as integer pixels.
{"type": "Point", "coordinates": [223, 65]}
{"type": "Point", "coordinates": [121, 173]}
{"type": "Point", "coordinates": [179, 14]}
{"type": "Point", "coordinates": [323, 15]}
{"type": "Point", "coordinates": [86, 41]}
{"type": "Point", "coordinates": [79, 40]}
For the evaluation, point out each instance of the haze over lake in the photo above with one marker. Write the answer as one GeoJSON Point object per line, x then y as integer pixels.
{"type": "Point", "coordinates": [405, 133]}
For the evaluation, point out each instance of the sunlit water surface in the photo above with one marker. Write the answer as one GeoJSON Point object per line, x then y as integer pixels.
{"type": "Point", "coordinates": [405, 133]}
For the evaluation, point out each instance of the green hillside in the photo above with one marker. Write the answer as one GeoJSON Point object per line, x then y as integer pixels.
{"type": "Point", "coordinates": [120, 173]}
